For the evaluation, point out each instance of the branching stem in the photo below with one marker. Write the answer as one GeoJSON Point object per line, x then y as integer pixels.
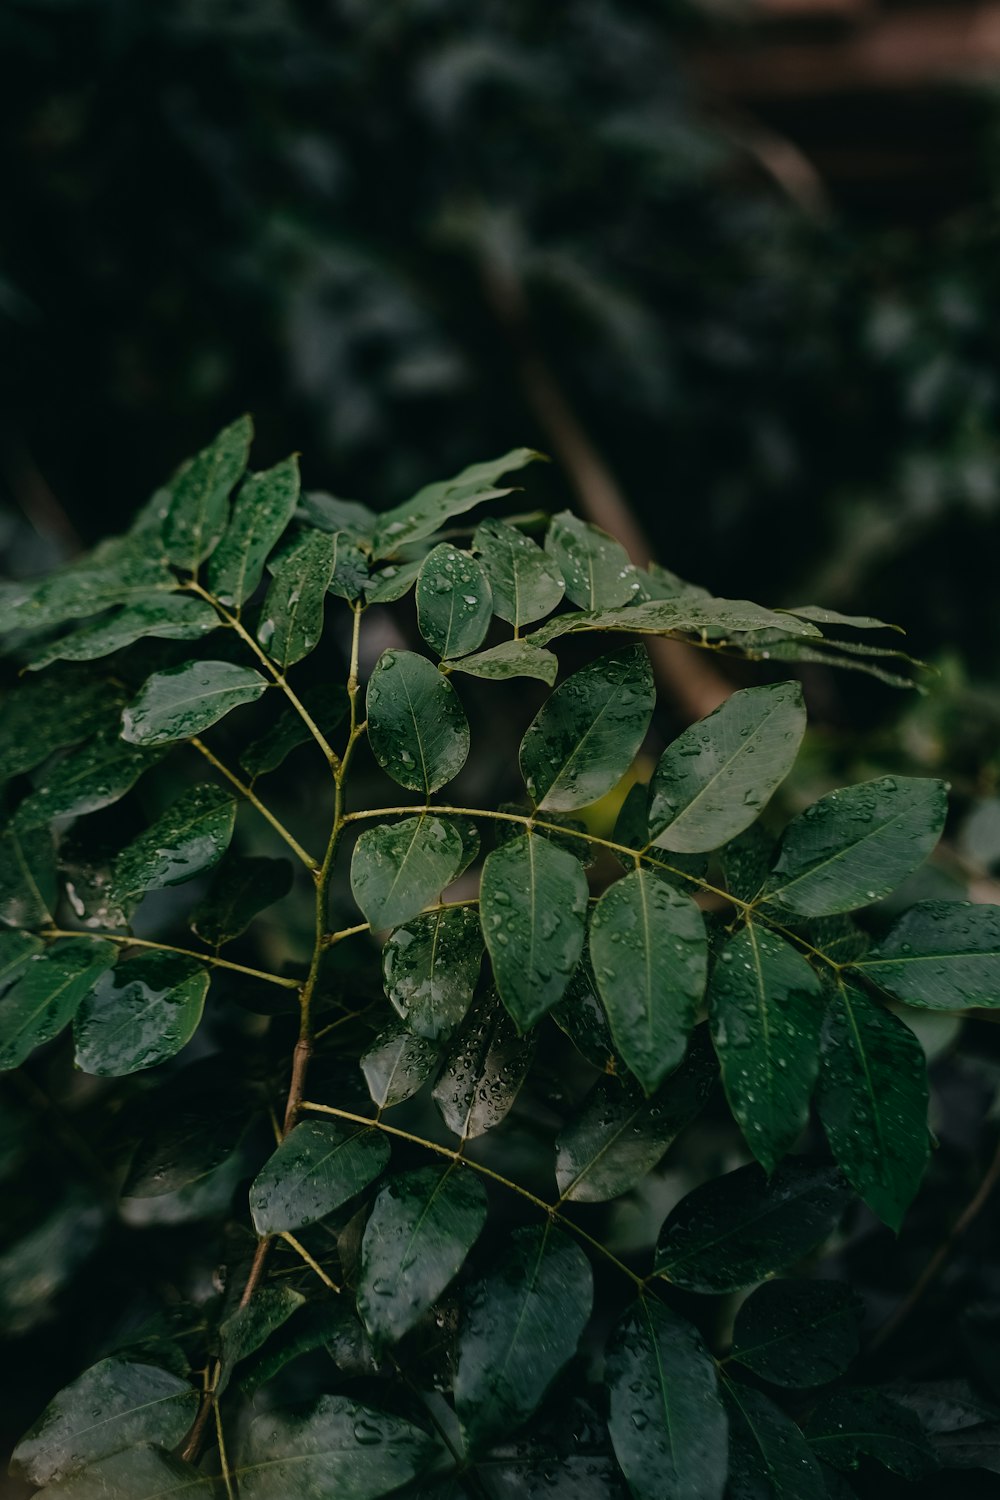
{"type": "Point", "coordinates": [247, 792]}
{"type": "Point", "coordinates": [127, 941]}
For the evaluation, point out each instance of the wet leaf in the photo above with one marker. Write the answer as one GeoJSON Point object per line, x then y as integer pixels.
{"type": "Point", "coordinates": [769, 1459]}
{"type": "Point", "coordinates": [139, 1013]}
{"type": "Point", "coordinates": [169, 617]}
{"type": "Point", "coordinates": [649, 951]}
{"type": "Point", "coordinates": [872, 1100]}
{"type": "Point", "coordinates": [422, 1227]}
{"type": "Point", "coordinates": [181, 702]}
{"type": "Point", "coordinates": [338, 1451]}
{"type": "Point", "coordinates": [454, 601]}
{"type": "Point", "coordinates": [48, 713]}
{"type": "Point", "coordinates": [262, 511]}
{"type": "Point", "coordinates": [113, 1405]}
{"type": "Point", "coordinates": [690, 614]}
{"type": "Point", "coordinates": [416, 724]}
{"type": "Point", "coordinates": [940, 954]}
{"type": "Point", "coordinates": [291, 618]}
{"type": "Point", "coordinates": [587, 734]}
{"type": "Point", "coordinates": [393, 582]}
{"type": "Point", "coordinates": [135, 1474]}
{"type": "Point", "coordinates": [857, 844]}
{"type": "Point", "coordinates": [794, 1332]}
{"type": "Point", "coordinates": [430, 967]}
{"type": "Point", "coordinates": [580, 1015]}
{"type": "Point", "coordinates": [854, 1424]}
{"type": "Point", "coordinates": [396, 1065]}
{"type": "Point", "coordinates": [712, 782]}
{"type": "Point", "coordinates": [15, 950]}
{"type": "Point", "coordinates": [485, 1066]}
{"type": "Point", "coordinates": [766, 1009]}
{"type": "Point", "coordinates": [533, 909]}
{"type": "Point", "coordinates": [667, 1422]}
{"type": "Point", "coordinates": [436, 503]}
{"type": "Point", "coordinates": [45, 996]}
{"type": "Point", "coordinates": [197, 1124]}
{"type": "Point", "coordinates": [95, 776]}
{"type": "Point", "coordinates": [520, 1324]}
{"type": "Point", "coordinates": [746, 861]}
{"type": "Point", "coordinates": [327, 705]}
{"type": "Point", "coordinates": [248, 1328]}
{"type": "Point", "coordinates": [243, 886]}
{"type": "Point", "coordinates": [509, 659]}
{"type": "Point", "coordinates": [397, 868]}
{"type": "Point", "coordinates": [197, 497]}
{"type": "Point", "coordinates": [331, 1326]}
{"type": "Point", "coordinates": [597, 569]}
{"type": "Point", "coordinates": [526, 583]}
{"type": "Point", "coordinates": [619, 1135]}
{"type": "Point", "coordinates": [737, 1229]}
{"type": "Point", "coordinates": [317, 1167]}
{"type": "Point", "coordinates": [191, 836]}
{"type": "Point", "coordinates": [29, 888]}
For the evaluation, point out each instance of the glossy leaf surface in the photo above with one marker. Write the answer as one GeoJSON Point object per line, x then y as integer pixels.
{"type": "Point", "coordinates": [436, 503]}
{"type": "Point", "coordinates": [248, 1328]}
{"type": "Point", "coordinates": [597, 569]}
{"type": "Point", "coordinates": [28, 884]}
{"type": "Point", "coordinates": [794, 1332]}
{"type": "Point", "coordinates": [261, 512]}
{"type": "Point", "coordinates": [327, 705]}
{"type": "Point", "coordinates": [941, 954]}
{"type": "Point", "coordinates": [509, 659]}
{"type": "Point", "coordinates": [144, 1473]}
{"type": "Point", "coordinates": [483, 1070]}
{"type": "Point", "coordinates": [244, 885]}
{"type": "Point", "coordinates": [854, 1424]}
{"type": "Point", "coordinates": [317, 1167]}
{"type": "Point", "coordinates": [526, 583]}
{"type": "Point", "coordinates": [48, 713]}
{"type": "Point", "coordinates": [586, 735]}
{"type": "Point", "coordinates": [169, 617]}
{"type": "Point", "coordinates": [396, 1065]}
{"type": "Point", "coordinates": [454, 601]}
{"type": "Point", "coordinates": [181, 702]}
{"type": "Point", "coordinates": [45, 996]}
{"type": "Point", "coordinates": [291, 619]}
{"type": "Point", "coordinates": [197, 497]}
{"type": "Point", "coordinates": [417, 727]}
{"type": "Point", "coordinates": [648, 948]}
{"type": "Point", "coordinates": [398, 868]}
{"type": "Point", "coordinates": [768, 1456]}
{"type": "Point", "coordinates": [94, 776]}
{"type": "Point", "coordinates": [139, 1013]}
{"type": "Point", "coordinates": [430, 967]}
{"type": "Point", "coordinates": [189, 837]}
{"type": "Point", "coordinates": [533, 909]}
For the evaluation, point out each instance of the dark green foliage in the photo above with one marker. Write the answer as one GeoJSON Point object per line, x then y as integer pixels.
{"type": "Point", "coordinates": [418, 1111]}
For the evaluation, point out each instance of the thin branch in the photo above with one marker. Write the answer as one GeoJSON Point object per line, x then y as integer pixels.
{"type": "Point", "coordinates": [251, 797]}
{"type": "Point", "coordinates": [313, 1265]}
{"type": "Point", "coordinates": [203, 958]}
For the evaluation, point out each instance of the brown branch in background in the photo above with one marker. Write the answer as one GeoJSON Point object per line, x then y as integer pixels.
{"type": "Point", "coordinates": [33, 497]}
{"type": "Point", "coordinates": [691, 681]}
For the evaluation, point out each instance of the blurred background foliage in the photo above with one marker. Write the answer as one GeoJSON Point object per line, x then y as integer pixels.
{"type": "Point", "coordinates": [410, 235]}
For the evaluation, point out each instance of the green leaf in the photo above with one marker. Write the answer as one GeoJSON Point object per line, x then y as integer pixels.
{"type": "Point", "coordinates": [430, 968]}
{"type": "Point", "coordinates": [857, 844]}
{"type": "Point", "coordinates": [454, 601]}
{"type": "Point", "coordinates": [526, 584]}
{"type": "Point", "coordinates": [689, 615]}
{"type": "Point", "coordinates": [766, 1009]}
{"type": "Point", "coordinates": [509, 659]}
{"type": "Point", "coordinates": [585, 737]}
{"type": "Point", "coordinates": [822, 616]}
{"type": "Point", "coordinates": [291, 619]}
{"type": "Point", "coordinates": [135, 1474]}
{"type": "Point", "coordinates": [533, 909]}
{"type": "Point", "coordinates": [520, 1324]}
{"type": "Point", "coordinates": [264, 508]}
{"type": "Point", "coordinates": [391, 583]}
{"type": "Point", "coordinates": [580, 1015]}
{"type": "Point", "coordinates": [854, 1424]}
{"type": "Point", "coordinates": [319, 1325]}
{"type": "Point", "coordinates": [248, 1328]}
{"type": "Point", "coordinates": [191, 836]}
{"type": "Point", "coordinates": [619, 1135]}
{"type": "Point", "coordinates": [113, 1405]}
{"type": "Point", "coordinates": [437, 503]}
{"type": "Point", "coordinates": [797, 1333]}
{"type": "Point", "coordinates": [330, 513]}
{"type": "Point", "coordinates": [181, 702]}
{"type": "Point", "coordinates": [746, 861]}
{"type": "Point", "coordinates": [396, 1065]}
{"type": "Point", "coordinates": [712, 782]}
{"type": "Point", "coordinates": [941, 954]}
{"type": "Point", "coordinates": [338, 1451]}
{"type": "Point", "coordinates": [197, 497]}
{"type": "Point", "coordinates": [597, 570]}
{"type": "Point", "coordinates": [120, 571]}
{"type": "Point", "coordinates": [169, 617]}
{"type": "Point", "coordinates": [15, 950]}
{"type": "Point", "coordinates": [326, 704]}
{"type": "Point", "coordinates": [29, 888]}
{"type": "Point", "coordinates": [422, 1227]}
{"type": "Point", "coordinates": [198, 1123]}
{"type": "Point", "coordinates": [45, 997]}
{"type": "Point", "coordinates": [737, 1229]}
{"type": "Point", "coordinates": [650, 955]}
{"type": "Point", "coordinates": [397, 868]}
{"type": "Point", "coordinates": [872, 1100]}
{"type": "Point", "coordinates": [317, 1167]}
{"type": "Point", "coordinates": [667, 1423]}
{"type": "Point", "coordinates": [416, 724]}
{"type": "Point", "coordinates": [44, 714]}
{"type": "Point", "coordinates": [242, 886]}
{"type": "Point", "coordinates": [95, 776]}
{"type": "Point", "coordinates": [486, 1064]}
{"type": "Point", "coordinates": [139, 1014]}
{"type": "Point", "coordinates": [769, 1459]}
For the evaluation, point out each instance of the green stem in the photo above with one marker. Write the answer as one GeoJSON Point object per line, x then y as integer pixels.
{"type": "Point", "coordinates": [203, 958]}
{"type": "Point", "coordinates": [251, 796]}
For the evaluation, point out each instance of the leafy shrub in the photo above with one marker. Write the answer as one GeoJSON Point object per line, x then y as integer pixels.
{"type": "Point", "coordinates": [414, 1306]}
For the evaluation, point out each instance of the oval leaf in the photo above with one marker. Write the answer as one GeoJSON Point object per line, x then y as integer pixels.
{"type": "Point", "coordinates": [857, 844]}
{"type": "Point", "coordinates": [191, 836]}
{"type": "Point", "coordinates": [422, 1227]}
{"type": "Point", "coordinates": [768, 1456]}
{"type": "Point", "coordinates": [264, 508]}
{"type": "Point", "coordinates": [941, 954]}
{"type": "Point", "coordinates": [169, 617]}
{"type": "Point", "coordinates": [46, 995]}
{"type": "Point", "coordinates": [430, 968]}
{"type": "Point", "coordinates": [397, 868]}
{"type": "Point", "coordinates": [95, 776]}
{"type": "Point", "coordinates": [317, 1167]}
{"type": "Point", "coordinates": [712, 782]}
{"type": "Point", "coordinates": [139, 1014]}
{"type": "Point", "coordinates": [796, 1333]}
{"type": "Point", "coordinates": [454, 601]}
{"type": "Point", "coordinates": [197, 497]}
{"type": "Point", "coordinates": [854, 1424]}
{"type": "Point", "coordinates": [649, 951]}
{"type": "Point", "coordinates": [872, 1100]}
{"type": "Point", "coordinates": [430, 507]}
{"type": "Point", "coordinates": [519, 1326]}
{"type": "Point", "coordinates": [29, 888]}
{"type": "Point", "coordinates": [526, 583]}
{"type": "Point", "coordinates": [533, 909]}
{"type": "Point", "coordinates": [337, 1451]}
{"type": "Point", "coordinates": [181, 702]}
{"type": "Point", "coordinates": [509, 659]}
{"type": "Point", "coordinates": [291, 620]}
{"type": "Point", "coordinates": [417, 727]}
{"type": "Point", "coordinates": [483, 1071]}
{"type": "Point", "coordinates": [243, 885]}
{"type": "Point", "coordinates": [667, 1422]}
{"type": "Point", "coordinates": [598, 571]}
{"type": "Point", "coordinates": [585, 737]}
{"type": "Point", "coordinates": [396, 1065]}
